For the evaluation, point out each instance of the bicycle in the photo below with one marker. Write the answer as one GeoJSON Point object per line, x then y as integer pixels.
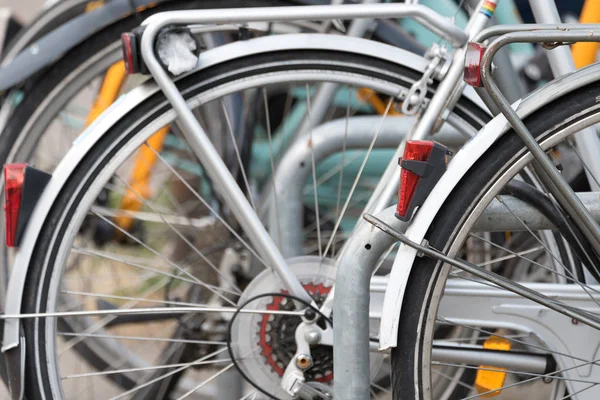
{"type": "Point", "coordinates": [117, 112]}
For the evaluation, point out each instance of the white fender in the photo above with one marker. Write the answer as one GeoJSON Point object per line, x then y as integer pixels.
{"type": "Point", "coordinates": [123, 105]}
{"type": "Point", "coordinates": [457, 168]}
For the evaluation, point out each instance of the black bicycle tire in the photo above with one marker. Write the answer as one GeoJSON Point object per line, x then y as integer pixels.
{"type": "Point", "coordinates": [33, 281]}
{"type": "Point", "coordinates": [417, 301]}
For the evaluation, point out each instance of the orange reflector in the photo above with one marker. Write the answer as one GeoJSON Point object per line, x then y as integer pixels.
{"type": "Point", "coordinates": [491, 381]}
{"type": "Point", "coordinates": [14, 177]}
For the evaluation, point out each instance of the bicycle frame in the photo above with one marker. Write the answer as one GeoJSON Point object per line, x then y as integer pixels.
{"type": "Point", "coordinates": [121, 107]}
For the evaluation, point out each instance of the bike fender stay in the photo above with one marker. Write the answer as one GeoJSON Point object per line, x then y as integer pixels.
{"type": "Point", "coordinates": [86, 141]}
{"type": "Point", "coordinates": [457, 168]}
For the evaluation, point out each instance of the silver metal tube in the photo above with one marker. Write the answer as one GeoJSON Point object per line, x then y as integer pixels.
{"type": "Point", "coordinates": [326, 91]}
{"type": "Point", "coordinates": [497, 218]}
{"type": "Point", "coordinates": [561, 63]}
{"type": "Point", "coordinates": [438, 24]}
{"type": "Point", "coordinates": [559, 188]}
{"type": "Point", "coordinates": [446, 91]}
{"type": "Point", "coordinates": [477, 355]}
{"type": "Point", "coordinates": [212, 162]}
{"type": "Point", "coordinates": [351, 307]}
{"type": "Point", "coordinates": [499, 30]}
{"type": "Point", "coordinates": [489, 276]}
{"type": "Point", "coordinates": [294, 168]}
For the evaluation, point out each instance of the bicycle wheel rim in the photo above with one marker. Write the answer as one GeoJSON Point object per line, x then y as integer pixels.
{"type": "Point", "coordinates": [583, 114]}
{"type": "Point", "coordinates": [286, 79]}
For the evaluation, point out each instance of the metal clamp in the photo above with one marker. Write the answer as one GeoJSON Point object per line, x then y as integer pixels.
{"type": "Point", "coordinates": [414, 99]}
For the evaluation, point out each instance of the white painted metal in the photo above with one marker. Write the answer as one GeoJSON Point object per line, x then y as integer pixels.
{"type": "Point", "coordinates": [457, 168]}
{"type": "Point", "coordinates": [492, 308]}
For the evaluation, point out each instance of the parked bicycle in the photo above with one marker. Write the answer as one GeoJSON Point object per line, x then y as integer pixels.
{"type": "Point", "coordinates": [458, 335]}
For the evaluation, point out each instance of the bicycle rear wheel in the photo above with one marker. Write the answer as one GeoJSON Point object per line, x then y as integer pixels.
{"type": "Point", "coordinates": [183, 242]}
{"type": "Point", "coordinates": [430, 301]}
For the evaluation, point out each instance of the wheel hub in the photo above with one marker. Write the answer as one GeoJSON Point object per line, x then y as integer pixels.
{"type": "Point", "coordinates": [277, 342]}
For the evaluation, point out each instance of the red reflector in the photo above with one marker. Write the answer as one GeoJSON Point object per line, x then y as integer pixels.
{"type": "Point", "coordinates": [126, 43]}
{"type": "Point", "coordinates": [472, 71]}
{"type": "Point", "coordinates": [14, 176]}
{"type": "Point", "coordinates": [415, 150]}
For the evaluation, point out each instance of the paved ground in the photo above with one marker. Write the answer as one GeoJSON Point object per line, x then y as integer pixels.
{"type": "Point", "coordinates": [24, 9]}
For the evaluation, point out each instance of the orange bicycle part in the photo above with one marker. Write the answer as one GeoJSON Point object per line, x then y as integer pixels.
{"type": "Point", "coordinates": [111, 86]}
{"type": "Point", "coordinates": [139, 187]}
{"type": "Point", "coordinates": [379, 105]}
{"type": "Point", "coordinates": [584, 53]}
{"type": "Point", "coordinates": [489, 380]}
{"type": "Point", "coordinates": [145, 159]}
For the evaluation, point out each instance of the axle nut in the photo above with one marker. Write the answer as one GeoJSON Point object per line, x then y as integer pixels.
{"type": "Point", "coordinates": [303, 361]}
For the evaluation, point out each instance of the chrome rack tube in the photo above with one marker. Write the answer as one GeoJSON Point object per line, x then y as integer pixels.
{"type": "Point", "coordinates": [437, 23]}
{"type": "Point", "coordinates": [212, 162]}
{"type": "Point", "coordinates": [326, 139]}
{"type": "Point", "coordinates": [498, 30]}
{"type": "Point", "coordinates": [548, 172]}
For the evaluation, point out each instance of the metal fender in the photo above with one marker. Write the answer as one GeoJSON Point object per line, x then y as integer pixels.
{"type": "Point", "coordinates": [460, 164]}
{"type": "Point", "coordinates": [124, 104]}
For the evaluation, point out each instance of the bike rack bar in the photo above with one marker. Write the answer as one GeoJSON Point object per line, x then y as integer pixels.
{"type": "Point", "coordinates": [438, 24]}
{"type": "Point", "coordinates": [327, 139]}
{"type": "Point", "coordinates": [351, 306]}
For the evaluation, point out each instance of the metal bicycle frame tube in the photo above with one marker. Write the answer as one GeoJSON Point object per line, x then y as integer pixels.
{"type": "Point", "coordinates": [199, 141]}
{"type": "Point", "coordinates": [446, 94]}
{"type": "Point", "coordinates": [558, 187]}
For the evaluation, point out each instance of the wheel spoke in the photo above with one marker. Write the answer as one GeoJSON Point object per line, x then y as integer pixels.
{"type": "Point", "coordinates": [342, 162]}
{"type": "Point", "coordinates": [208, 206]}
{"type": "Point", "coordinates": [143, 338]}
{"type": "Point", "coordinates": [238, 156]}
{"type": "Point", "coordinates": [140, 369]}
{"type": "Point", "coordinates": [314, 171]}
{"type": "Point", "coordinates": [164, 376]}
{"type": "Point", "coordinates": [359, 174]}
{"type": "Point", "coordinates": [271, 160]}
